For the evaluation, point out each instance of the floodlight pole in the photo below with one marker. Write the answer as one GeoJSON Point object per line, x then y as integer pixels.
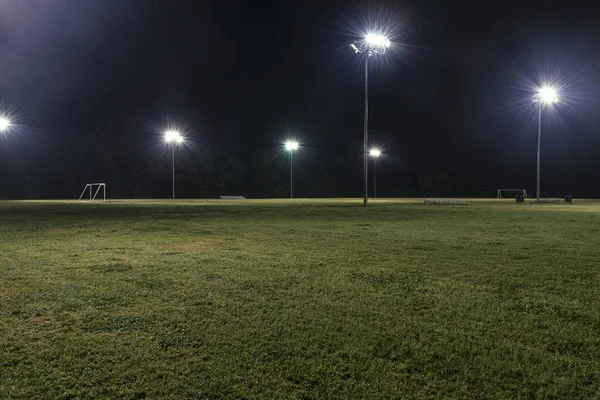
{"type": "Point", "coordinates": [371, 45]}
{"type": "Point", "coordinates": [366, 129]}
{"type": "Point", "coordinates": [173, 150]}
{"type": "Point", "coordinates": [291, 174]}
{"type": "Point", "coordinates": [374, 177]}
{"type": "Point", "coordinates": [538, 150]}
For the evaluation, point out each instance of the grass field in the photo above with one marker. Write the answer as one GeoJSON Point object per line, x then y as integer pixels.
{"type": "Point", "coordinates": [302, 300]}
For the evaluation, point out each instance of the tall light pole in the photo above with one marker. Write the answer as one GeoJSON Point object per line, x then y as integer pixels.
{"type": "Point", "coordinates": [546, 95]}
{"type": "Point", "coordinates": [173, 138]}
{"type": "Point", "coordinates": [375, 153]}
{"type": "Point", "coordinates": [372, 44]}
{"type": "Point", "coordinates": [290, 147]}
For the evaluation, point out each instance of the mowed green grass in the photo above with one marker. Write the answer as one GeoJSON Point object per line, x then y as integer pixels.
{"type": "Point", "coordinates": [299, 300]}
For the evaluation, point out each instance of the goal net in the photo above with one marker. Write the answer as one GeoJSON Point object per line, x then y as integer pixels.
{"type": "Point", "coordinates": [94, 189]}
{"type": "Point", "coordinates": [511, 193]}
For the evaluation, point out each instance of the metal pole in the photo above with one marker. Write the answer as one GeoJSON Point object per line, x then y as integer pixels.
{"type": "Point", "coordinates": [82, 193]}
{"type": "Point", "coordinates": [173, 148]}
{"type": "Point", "coordinates": [538, 151]}
{"type": "Point", "coordinates": [366, 131]}
{"type": "Point", "coordinates": [291, 175]}
{"type": "Point", "coordinates": [374, 177]}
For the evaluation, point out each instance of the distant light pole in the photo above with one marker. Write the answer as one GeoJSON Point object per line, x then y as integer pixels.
{"type": "Point", "coordinates": [375, 153]}
{"type": "Point", "coordinates": [372, 44]}
{"type": "Point", "coordinates": [545, 96]}
{"type": "Point", "coordinates": [290, 147]}
{"type": "Point", "coordinates": [173, 138]}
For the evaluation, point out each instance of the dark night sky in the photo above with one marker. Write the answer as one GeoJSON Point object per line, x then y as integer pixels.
{"type": "Point", "coordinates": [451, 98]}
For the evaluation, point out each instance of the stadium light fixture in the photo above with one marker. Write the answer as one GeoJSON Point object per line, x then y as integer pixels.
{"type": "Point", "coordinates": [375, 153]}
{"type": "Point", "coordinates": [377, 40]}
{"type": "Point", "coordinates": [291, 146]}
{"type": "Point", "coordinates": [372, 44]}
{"type": "Point", "coordinates": [545, 96]}
{"type": "Point", "coordinates": [4, 123]}
{"type": "Point", "coordinates": [173, 138]}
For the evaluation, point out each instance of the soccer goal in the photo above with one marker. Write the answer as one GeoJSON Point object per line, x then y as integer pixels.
{"type": "Point", "coordinates": [94, 189]}
{"type": "Point", "coordinates": [511, 193]}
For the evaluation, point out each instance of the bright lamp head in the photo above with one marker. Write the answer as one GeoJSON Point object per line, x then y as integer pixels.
{"type": "Point", "coordinates": [546, 95]}
{"type": "Point", "coordinates": [291, 145]}
{"type": "Point", "coordinates": [376, 40]}
{"type": "Point", "coordinates": [4, 124]}
{"type": "Point", "coordinates": [173, 136]}
{"type": "Point", "coordinates": [375, 153]}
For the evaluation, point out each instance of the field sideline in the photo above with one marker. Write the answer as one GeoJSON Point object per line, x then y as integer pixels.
{"type": "Point", "coordinates": [302, 299]}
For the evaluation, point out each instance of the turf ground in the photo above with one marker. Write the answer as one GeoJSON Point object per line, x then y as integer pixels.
{"type": "Point", "coordinates": [299, 300]}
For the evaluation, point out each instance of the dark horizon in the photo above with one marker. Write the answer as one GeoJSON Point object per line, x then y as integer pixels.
{"type": "Point", "coordinates": [91, 85]}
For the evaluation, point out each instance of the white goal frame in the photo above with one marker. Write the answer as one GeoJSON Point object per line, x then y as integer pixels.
{"type": "Point", "coordinates": [91, 187]}
{"type": "Point", "coordinates": [519, 191]}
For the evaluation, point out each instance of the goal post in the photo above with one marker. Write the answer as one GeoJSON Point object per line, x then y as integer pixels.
{"type": "Point", "coordinates": [511, 193]}
{"type": "Point", "coordinates": [94, 189]}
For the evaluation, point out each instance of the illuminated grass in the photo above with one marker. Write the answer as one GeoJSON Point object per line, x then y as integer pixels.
{"type": "Point", "coordinates": [310, 299]}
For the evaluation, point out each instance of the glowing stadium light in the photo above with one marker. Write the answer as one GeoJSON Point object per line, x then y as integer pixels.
{"type": "Point", "coordinates": [375, 153]}
{"type": "Point", "coordinates": [173, 137]}
{"type": "Point", "coordinates": [546, 95]}
{"type": "Point", "coordinates": [377, 40]}
{"type": "Point", "coordinates": [291, 145]}
{"type": "Point", "coordinates": [4, 123]}
{"type": "Point", "coordinates": [372, 44]}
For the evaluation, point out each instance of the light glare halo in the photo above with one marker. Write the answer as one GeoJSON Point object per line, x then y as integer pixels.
{"type": "Point", "coordinates": [375, 152]}
{"type": "Point", "coordinates": [291, 145]}
{"type": "Point", "coordinates": [173, 136]}
{"type": "Point", "coordinates": [377, 40]}
{"type": "Point", "coordinates": [546, 95]}
{"type": "Point", "coordinates": [4, 124]}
